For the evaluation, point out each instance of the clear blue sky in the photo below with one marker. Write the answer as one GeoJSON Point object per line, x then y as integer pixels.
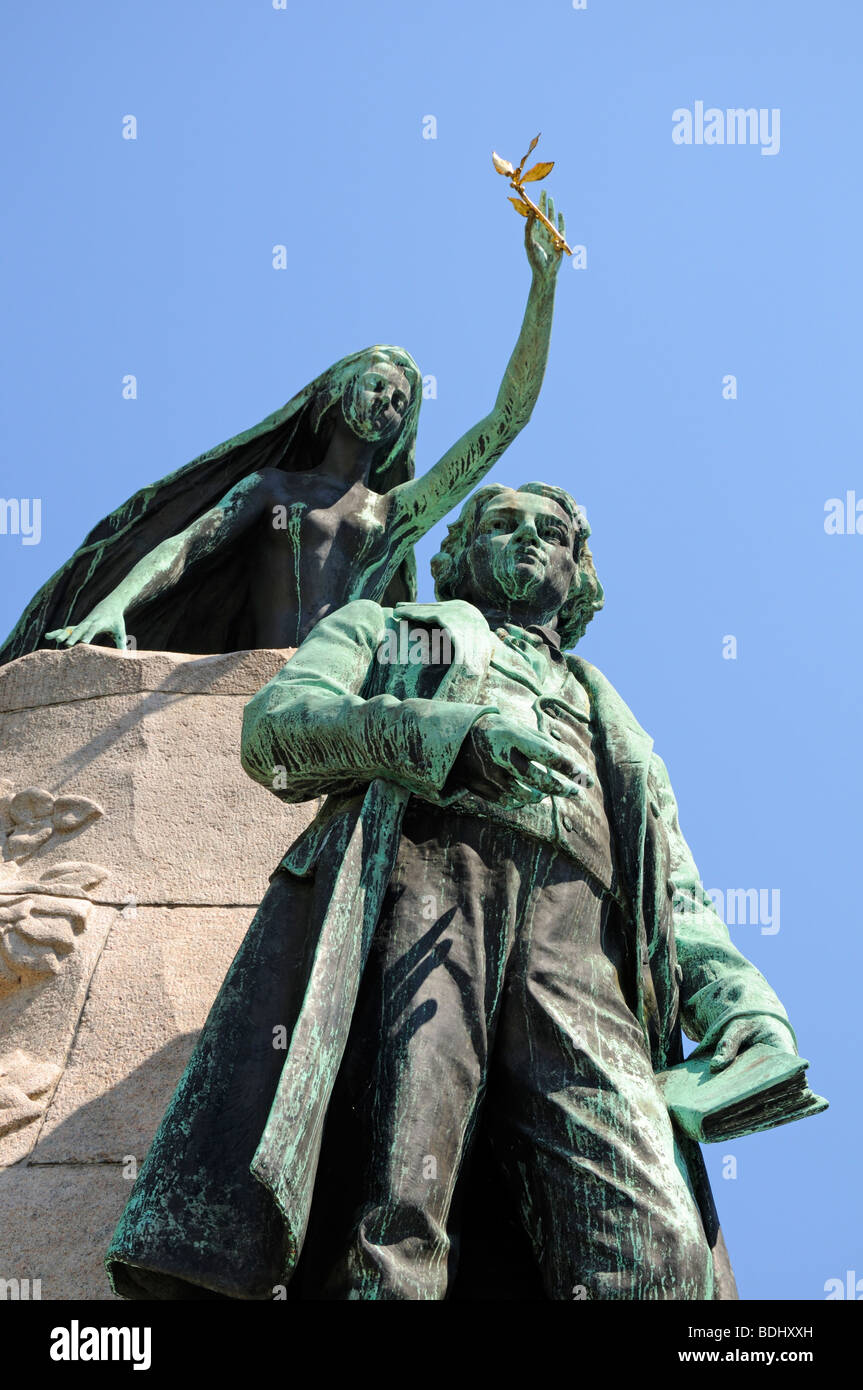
{"type": "Point", "coordinates": [304, 127]}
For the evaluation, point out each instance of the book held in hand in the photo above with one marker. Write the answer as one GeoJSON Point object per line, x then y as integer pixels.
{"type": "Point", "coordinates": [762, 1088]}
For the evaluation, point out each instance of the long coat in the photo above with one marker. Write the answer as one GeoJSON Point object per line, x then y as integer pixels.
{"type": "Point", "coordinates": [222, 1202]}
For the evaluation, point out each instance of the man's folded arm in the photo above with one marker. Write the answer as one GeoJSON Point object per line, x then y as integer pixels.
{"type": "Point", "coordinates": [310, 732]}
{"type": "Point", "coordinates": [717, 982]}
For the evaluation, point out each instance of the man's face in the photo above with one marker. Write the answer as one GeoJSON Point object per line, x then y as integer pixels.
{"type": "Point", "coordinates": [376, 399]}
{"type": "Point", "coordinates": [522, 555]}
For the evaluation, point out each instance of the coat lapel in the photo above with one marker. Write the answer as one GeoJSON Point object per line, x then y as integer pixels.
{"type": "Point", "coordinates": [625, 749]}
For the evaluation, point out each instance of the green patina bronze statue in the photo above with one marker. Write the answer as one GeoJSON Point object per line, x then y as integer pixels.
{"type": "Point", "coordinates": [253, 542]}
{"type": "Point", "coordinates": [431, 1071]}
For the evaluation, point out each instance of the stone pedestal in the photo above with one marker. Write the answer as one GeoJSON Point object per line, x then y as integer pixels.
{"type": "Point", "coordinates": [135, 853]}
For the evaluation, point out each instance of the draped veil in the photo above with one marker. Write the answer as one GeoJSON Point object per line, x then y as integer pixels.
{"type": "Point", "coordinates": [209, 609]}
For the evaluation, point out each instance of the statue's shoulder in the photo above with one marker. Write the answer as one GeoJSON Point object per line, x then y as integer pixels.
{"type": "Point", "coordinates": [611, 708]}
{"type": "Point", "coordinates": [588, 674]}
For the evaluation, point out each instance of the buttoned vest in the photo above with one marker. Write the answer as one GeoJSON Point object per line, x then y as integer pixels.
{"type": "Point", "coordinates": [531, 683]}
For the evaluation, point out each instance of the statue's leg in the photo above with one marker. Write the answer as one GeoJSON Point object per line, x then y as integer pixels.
{"type": "Point", "coordinates": [578, 1121]}
{"type": "Point", "coordinates": [406, 1101]}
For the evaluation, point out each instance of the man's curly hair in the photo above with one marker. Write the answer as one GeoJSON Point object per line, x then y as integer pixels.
{"type": "Point", "coordinates": [586, 595]}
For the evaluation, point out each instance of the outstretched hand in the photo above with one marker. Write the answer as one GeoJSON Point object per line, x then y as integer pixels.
{"type": "Point", "coordinates": [542, 253]}
{"type": "Point", "coordinates": [105, 617]}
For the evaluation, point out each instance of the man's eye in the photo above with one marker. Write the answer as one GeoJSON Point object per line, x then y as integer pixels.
{"type": "Point", "coordinates": [399, 401]}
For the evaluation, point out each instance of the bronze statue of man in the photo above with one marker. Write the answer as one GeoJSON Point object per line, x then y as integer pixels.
{"type": "Point", "coordinates": [480, 954]}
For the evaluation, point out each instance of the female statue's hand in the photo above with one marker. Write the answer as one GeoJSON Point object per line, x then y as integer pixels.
{"type": "Point", "coordinates": [544, 258]}
{"type": "Point", "coordinates": [107, 616]}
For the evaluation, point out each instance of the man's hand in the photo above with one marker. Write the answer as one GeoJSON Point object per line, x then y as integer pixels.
{"type": "Point", "coordinates": [740, 1033]}
{"type": "Point", "coordinates": [510, 765]}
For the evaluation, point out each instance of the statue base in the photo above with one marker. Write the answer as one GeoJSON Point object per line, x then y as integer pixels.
{"type": "Point", "coordinates": [135, 854]}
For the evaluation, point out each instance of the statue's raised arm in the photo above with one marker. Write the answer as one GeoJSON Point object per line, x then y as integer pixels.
{"type": "Point", "coordinates": [255, 541]}
{"type": "Point", "coordinates": [420, 503]}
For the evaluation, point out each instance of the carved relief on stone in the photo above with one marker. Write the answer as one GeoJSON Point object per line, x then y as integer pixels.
{"type": "Point", "coordinates": [32, 816]}
{"type": "Point", "coordinates": [36, 933]}
{"type": "Point", "coordinates": [25, 1084]}
{"type": "Point", "coordinates": [43, 912]}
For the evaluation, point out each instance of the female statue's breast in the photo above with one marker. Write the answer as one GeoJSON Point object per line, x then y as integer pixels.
{"type": "Point", "coordinates": [357, 522]}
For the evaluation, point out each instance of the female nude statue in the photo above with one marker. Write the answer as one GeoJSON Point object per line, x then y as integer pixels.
{"type": "Point", "coordinates": [255, 541]}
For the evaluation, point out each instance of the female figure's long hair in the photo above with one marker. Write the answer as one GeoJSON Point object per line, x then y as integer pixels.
{"type": "Point", "coordinates": [210, 609]}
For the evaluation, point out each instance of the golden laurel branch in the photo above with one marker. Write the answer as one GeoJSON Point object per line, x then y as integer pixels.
{"type": "Point", "coordinates": [517, 179]}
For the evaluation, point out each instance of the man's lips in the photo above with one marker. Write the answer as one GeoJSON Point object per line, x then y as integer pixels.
{"type": "Point", "coordinates": [529, 552]}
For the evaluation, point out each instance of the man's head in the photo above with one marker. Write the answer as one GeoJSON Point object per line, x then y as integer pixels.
{"type": "Point", "coordinates": [524, 553]}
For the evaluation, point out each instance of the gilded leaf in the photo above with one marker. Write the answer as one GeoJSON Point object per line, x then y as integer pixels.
{"type": "Point", "coordinates": [532, 146]}
{"type": "Point", "coordinates": [503, 166]}
{"type": "Point", "coordinates": [539, 171]}
{"type": "Point", "coordinates": [520, 206]}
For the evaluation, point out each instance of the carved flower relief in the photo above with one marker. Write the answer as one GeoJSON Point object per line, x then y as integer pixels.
{"type": "Point", "coordinates": [37, 932]}
{"type": "Point", "coordinates": [25, 1083]}
{"type": "Point", "coordinates": [31, 817]}
{"type": "Point", "coordinates": [41, 913]}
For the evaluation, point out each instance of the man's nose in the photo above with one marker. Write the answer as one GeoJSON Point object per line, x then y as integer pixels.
{"type": "Point", "coordinates": [526, 530]}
